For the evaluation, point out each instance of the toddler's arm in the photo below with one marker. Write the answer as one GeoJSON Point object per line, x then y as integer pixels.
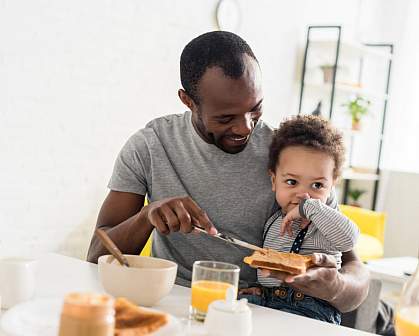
{"type": "Point", "coordinates": [339, 230]}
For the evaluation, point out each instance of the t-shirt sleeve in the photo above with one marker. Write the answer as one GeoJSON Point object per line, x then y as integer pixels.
{"type": "Point", "coordinates": [132, 167]}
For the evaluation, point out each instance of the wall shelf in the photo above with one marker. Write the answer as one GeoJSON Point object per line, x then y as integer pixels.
{"type": "Point", "coordinates": [351, 49]}
{"type": "Point", "coordinates": [349, 60]}
{"type": "Point", "coordinates": [355, 133]}
{"type": "Point", "coordinates": [347, 89]}
{"type": "Point", "coordinates": [350, 174]}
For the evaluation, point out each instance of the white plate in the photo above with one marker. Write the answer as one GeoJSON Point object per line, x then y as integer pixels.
{"type": "Point", "coordinates": [41, 317]}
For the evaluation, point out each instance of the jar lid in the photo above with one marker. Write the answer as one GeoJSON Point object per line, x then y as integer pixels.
{"type": "Point", "coordinates": [230, 304]}
{"type": "Point", "coordinates": [88, 305]}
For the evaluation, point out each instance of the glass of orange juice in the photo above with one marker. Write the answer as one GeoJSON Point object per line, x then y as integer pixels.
{"type": "Point", "coordinates": [210, 281]}
{"type": "Point", "coordinates": [407, 313]}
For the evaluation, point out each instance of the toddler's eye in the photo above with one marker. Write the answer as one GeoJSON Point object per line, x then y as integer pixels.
{"type": "Point", "coordinates": [317, 185]}
{"type": "Point", "coordinates": [291, 182]}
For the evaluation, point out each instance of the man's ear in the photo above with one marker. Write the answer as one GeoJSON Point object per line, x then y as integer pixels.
{"type": "Point", "coordinates": [272, 175]}
{"type": "Point", "coordinates": [186, 100]}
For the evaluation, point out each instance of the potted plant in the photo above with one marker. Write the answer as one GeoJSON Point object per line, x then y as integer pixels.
{"type": "Point", "coordinates": [357, 108]}
{"type": "Point", "coordinates": [354, 195]}
{"type": "Point", "coordinates": [328, 71]}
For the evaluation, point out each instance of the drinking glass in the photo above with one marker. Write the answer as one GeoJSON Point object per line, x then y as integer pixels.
{"type": "Point", "coordinates": [17, 280]}
{"type": "Point", "coordinates": [407, 311]}
{"type": "Point", "coordinates": [210, 281]}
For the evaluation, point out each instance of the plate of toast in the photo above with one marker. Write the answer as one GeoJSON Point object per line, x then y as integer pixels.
{"type": "Point", "coordinates": [41, 317]}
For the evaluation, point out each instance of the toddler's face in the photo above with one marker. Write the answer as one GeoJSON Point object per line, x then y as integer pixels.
{"type": "Point", "coordinates": [301, 170]}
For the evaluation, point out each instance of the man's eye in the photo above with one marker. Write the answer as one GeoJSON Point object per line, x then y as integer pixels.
{"type": "Point", "coordinates": [317, 185]}
{"type": "Point", "coordinates": [291, 182]}
{"type": "Point", "coordinates": [225, 120]}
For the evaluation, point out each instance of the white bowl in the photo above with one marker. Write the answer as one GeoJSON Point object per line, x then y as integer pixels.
{"type": "Point", "coordinates": [145, 282]}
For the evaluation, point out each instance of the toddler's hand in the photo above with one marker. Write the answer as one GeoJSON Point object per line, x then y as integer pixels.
{"type": "Point", "coordinates": [287, 221]}
{"type": "Point", "coordinates": [294, 214]}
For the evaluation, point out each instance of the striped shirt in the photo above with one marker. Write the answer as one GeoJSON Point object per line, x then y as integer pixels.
{"type": "Point", "coordinates": [329, 232]}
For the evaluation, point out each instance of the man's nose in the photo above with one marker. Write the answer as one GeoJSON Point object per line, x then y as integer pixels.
{"type": "Point", "coordinates": [244, 126]}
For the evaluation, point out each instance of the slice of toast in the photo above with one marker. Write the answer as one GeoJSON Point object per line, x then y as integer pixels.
{"type": "Point", "coordinates": [280, 261]}
{"type": "Point", "coordinates": [131, 320]}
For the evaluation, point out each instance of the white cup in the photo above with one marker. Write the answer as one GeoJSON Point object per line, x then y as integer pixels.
{"type": "Point", "coordinates": [17, 281]}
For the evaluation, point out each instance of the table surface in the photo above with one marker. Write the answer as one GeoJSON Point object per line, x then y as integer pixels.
{"type": "Point", "coordinates": [392, 269]}
{"type": "Point", "coordinates": [58, 275]}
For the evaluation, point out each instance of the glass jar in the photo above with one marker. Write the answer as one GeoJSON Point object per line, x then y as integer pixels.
{"type": "Point", "coordinates": [85, 314]}
{"type": "Point", "coordinates": [407, 312]}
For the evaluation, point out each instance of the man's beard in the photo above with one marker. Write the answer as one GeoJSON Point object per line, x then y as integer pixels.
{"type": "Point", "coordinates": [213, 139]}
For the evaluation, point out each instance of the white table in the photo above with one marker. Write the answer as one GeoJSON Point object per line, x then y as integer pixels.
{"type": "Point", "coordinates": [393, 274]}
{"type": "Point", "coordinates": [58, 275]}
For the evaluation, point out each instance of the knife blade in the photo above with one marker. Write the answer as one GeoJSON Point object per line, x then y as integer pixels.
{"type": "Point", "coordinates": [230, 239]}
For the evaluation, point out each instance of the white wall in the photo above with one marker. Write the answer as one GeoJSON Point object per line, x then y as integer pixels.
{"type": "Point", "coordinates": [277, 33]}
{"type": "Point", "coordinates": [399, 200]}
{"type": "Point", "coordinates": [78, 77]}
{"type": "Point", "coordinates": [401, 152]}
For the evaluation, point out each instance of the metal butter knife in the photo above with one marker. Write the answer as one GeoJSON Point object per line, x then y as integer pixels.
{"type": "Point", "coordinates": [229, 239]}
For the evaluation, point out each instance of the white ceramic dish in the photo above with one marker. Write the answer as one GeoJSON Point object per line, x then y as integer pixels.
{"type": "Point", "coordinates": [145, 283]}
{"type": "Point", "coordinates": [41, 317]}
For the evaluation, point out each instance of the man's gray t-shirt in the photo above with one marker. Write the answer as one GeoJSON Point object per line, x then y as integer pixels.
{"type": "Point", "coordinates": [168, 158]}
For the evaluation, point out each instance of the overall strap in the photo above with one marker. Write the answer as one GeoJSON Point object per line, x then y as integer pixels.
{"type": "Point", "coordinates": [295, 248]}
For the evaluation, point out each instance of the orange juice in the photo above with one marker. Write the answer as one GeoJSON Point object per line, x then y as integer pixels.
{"type": "Point", "coordinates": [407, 321]}
{"type": "Point", "coordinates": [206, 291]}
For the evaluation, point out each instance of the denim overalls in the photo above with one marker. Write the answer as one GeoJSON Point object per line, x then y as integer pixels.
{"type": "Point", "coordinates": [288, 299]}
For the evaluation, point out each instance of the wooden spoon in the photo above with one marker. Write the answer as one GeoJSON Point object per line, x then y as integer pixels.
{"type": "Point", "coordinates": [111, 247]}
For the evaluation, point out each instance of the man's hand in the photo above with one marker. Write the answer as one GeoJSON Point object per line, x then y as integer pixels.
{"type": "Point", "coordinates": [176, 214]}
{"type": "Point", "coordinates": [293, 215]}
{"type": "Point", "coordinates": [322, 280]}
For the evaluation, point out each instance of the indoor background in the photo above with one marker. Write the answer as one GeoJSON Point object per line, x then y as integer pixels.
{"type": "Point", "coordinates": [77, 78]}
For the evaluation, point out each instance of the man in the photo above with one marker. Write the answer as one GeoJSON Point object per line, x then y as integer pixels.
{"type": "Point", "coordinates": [208, 167]}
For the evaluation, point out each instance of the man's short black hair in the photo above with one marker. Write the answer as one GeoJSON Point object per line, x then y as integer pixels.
{"type": "Point", "coordinates": [217, 48]}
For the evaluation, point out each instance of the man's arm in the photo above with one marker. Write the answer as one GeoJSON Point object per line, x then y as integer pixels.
{"type": "Point", "coordinates": [355, 284]}
{"type": "Point", "coordinates": [345, 289]}
{"type": "Point", "coordinates": [129, 223]}
{"type": "Point", "coordinates": [119, 217]}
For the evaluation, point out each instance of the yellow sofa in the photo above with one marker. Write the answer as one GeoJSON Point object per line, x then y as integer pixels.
{"type": "Point", "coordinates": [370, 244]}
{"type": "Point", "coordinates": [146, 251]}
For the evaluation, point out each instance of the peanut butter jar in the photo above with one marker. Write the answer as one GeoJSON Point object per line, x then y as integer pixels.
{"type": "Point", "coordinates": [86, 314]}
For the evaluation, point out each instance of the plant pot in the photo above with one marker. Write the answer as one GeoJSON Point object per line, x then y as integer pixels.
{"type": "Point", "coordinates": [355, 204]}
{"type": "Point", "coordinates": [328, 71]}
{"type": "Point", "coordinates": [356, 124]}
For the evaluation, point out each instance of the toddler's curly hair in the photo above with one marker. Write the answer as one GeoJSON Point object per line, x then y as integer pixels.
{"type": "Point", "coordinates": [308, 131]}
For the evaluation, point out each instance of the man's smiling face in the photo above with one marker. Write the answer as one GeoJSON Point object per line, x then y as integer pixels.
{"type": "Point", "coordinates": [229, 108]}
